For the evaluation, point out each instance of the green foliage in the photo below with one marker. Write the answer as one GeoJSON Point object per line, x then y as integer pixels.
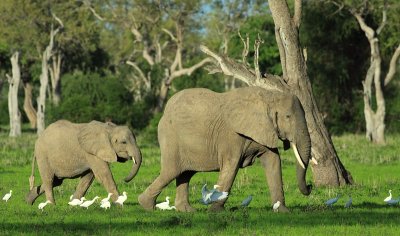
{"type": "Point", "coordinates": [93, 96]}
{"type": "Point", "coordinates": [338, 55]}
{"type": "Point", "coordinates": [374, 168]}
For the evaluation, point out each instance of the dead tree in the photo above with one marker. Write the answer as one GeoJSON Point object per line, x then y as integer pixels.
{"type": "Point", "coordinates": [329, 171]}
{"type": "Point", "coordinates": [44, 78]}
{"type": "Point", "coordinates": [13, 81]}
{"type": "Point", "coordinates": [374, 81]}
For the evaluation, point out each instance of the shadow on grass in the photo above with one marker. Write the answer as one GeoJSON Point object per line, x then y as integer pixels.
{"type": "Point", "coordinates": [256, 219]}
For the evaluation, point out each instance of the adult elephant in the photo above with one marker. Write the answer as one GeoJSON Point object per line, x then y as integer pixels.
{"type": "Point", "coordinates": [206, 131]}
{"type": "Point", "coordinates": [69, 150]}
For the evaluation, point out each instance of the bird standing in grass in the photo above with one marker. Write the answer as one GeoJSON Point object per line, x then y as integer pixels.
{"type": "Point", "coordinates": [107, 199]}
{"type": "Point", "coordinates": [7, 196]}
{"type": "Point", "coordinates": [349, 203]}
{"type": "Point", "coordinates": [332, 201]}
{"type": "Point", "coordinates": [247, 201]}
{"type": "Point", "coordinates": [388, 198]}
{"type": "Point", "coordinates": [88, 203]}
{"type": "Point", "coordinates": [275, 207]}
{"type": "Point", "coordinates": [76, 202]}
{"type": "Point", "coordinates": [121, 199]}
{"type": "Point", "coordinates": [105, 204]}
{"type": "Point", "coordinates": [43, 204]}
{"type": "Point", "coordinates": [165, 205]}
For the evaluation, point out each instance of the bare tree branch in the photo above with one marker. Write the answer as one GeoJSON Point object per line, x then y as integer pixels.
{"type": "Point", "coordinates": [170, 34]}
{"type": "Point", "coordinates": [245, 51]}
{"type": "Point", "coordinates": [392, 66]}
{"type": "Point", "coordinates": [257, 43]}
{"type": "Point", "coordinates": [188, 71]}
{"type": "Point", "coordinates": [297, 13]}
{"type": "Point", "coordinates": [384, 19]}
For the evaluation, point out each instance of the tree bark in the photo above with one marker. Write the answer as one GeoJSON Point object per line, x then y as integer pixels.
{"type": "Point", "coordinates": [14, 113]}
{"type": "Point", "coordinates": [28, 106]}
{"type": "Point", "coordinates": [55, 75]}
{"type": "Point", "coordinates": [41, 101]}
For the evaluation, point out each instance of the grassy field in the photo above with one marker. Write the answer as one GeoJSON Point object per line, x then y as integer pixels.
{"type": "Point", "coordinates": [376, 169]}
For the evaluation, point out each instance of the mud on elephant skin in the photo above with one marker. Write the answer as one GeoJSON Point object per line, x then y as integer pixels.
{"type": "Point", "coordinates": [203, 131]}
{"type": "Point", "coordinates": [69, 150]}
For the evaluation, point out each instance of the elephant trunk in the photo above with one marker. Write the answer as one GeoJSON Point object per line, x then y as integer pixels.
{"type": "Point", "coordinates": [137, 161]}
{"type": "Point", "coordinates": [302, 150]}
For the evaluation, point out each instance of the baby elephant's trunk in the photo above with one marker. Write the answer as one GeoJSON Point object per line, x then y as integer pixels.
{"type": "Point", "coordinates": [137, 161]}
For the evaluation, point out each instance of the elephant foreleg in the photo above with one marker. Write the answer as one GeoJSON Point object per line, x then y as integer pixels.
{"type": "Point", "coordinates": [273, 171]}
{"type": "Point", "coordinates": [182, 192]}
{"type": "Point", "coordinates": [225, 180]}
{"type": "Point", "coordinates": [84, 184]}
{"type": "Point", "coordinates": [102, 173]}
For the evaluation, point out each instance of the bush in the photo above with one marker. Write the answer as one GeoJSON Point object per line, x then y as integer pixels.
{"type": "Point", "coordinates": [91, 96]}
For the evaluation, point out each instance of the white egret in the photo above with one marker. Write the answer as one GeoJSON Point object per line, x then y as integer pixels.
{"type": "Point", "coordinates": [105, 204]}
{"type": "Point", "coordinates": [164, 205]}
{"type": "Point", "coordinates": [121, 199]}
{"type": "Point", "coordinates": [388, 198]}
{"type": "Point", "coordinates": [332, 201]}
{"type": "Point", "coordinates": [43, 204]}
{"type": "Point", "coordinates": [107, 199]}
{"type": "Point", "coordinates": [76, 202]}
{"type": "Point", "coordinates": [247, 201]}
{"type": "Point", "coordinates": [276, 205]}
{"type": "Point", "coordinates": [88, 203]}
{"type": "Point", "coordinates": [7, 196]}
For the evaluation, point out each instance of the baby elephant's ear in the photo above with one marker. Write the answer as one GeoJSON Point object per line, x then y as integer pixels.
{"type": "Point", "coordinates": [95, 140]}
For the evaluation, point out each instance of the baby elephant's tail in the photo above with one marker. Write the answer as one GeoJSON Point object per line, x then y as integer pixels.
{"type": "Point", "coordinates": [32, 177]}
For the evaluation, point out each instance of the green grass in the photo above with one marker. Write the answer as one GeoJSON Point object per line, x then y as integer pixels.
{"type": "Point", "coordinates": [374, 168]}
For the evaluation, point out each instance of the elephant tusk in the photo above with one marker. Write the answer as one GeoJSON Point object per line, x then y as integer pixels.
{"type": "Point", "coordinates": [296, 153]}
{"type": "Point", "coordinates": [314, 161]}
{"type": "Point", "coordinates": [134, 160]}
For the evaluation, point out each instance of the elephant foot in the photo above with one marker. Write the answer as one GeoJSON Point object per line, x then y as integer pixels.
{"type": "Point", "coordinates": [216, 208]}
{"type": "Point", "coordinates": [185, 208]}
{"type": "Point", "coordinates": [283, 209]}
{"type": "Point", "coordinates": [146, 202]}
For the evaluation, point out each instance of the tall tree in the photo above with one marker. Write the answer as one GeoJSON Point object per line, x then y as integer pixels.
{"type": "Point", "coordinates": [14, 80]}
{"type": "Point", "coordinates": [160, 31]}
{"type": "Point", "coordinates": [327, 168]}
{"type": "Point", "coordinates": [44, 76]}
{"type": "Point", "coordinates": [374, 104]}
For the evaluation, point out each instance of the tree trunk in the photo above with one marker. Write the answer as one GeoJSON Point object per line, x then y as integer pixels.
{"type": "Point", "coordinates": [41, 101]}
{"type": "Point", "coordinates": [55, 75]}
{"type": "Point", "coordinates": [329, 171]}
{"type": "Point", "coordinates": [14, 113]}
{"type": "Point", "coordinates": [28, 106]}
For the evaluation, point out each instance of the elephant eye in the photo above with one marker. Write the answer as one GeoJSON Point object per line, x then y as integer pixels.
{"type": "Point", "coordinates": [123, 142]}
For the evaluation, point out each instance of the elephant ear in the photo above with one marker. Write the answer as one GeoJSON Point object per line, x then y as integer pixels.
{"type": "Point", "coordinates": [95, 140]}
{"type": "Point", "coordinates": [250, 117]}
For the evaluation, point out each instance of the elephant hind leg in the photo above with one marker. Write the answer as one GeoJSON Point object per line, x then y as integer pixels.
{"type": "Point", "coordinates": [182, 192]}
{"type": "Point", "coordinates": [148, 198]}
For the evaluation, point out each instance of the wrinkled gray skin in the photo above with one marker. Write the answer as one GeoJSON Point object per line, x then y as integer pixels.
{"type": "Point", "coordinates": [68, 150]}
{"type": "Point", "coordinates": [206, 131]}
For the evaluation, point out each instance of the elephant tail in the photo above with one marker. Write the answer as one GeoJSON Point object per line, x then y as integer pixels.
{"type": "Point", "coordinates": [32, 177]}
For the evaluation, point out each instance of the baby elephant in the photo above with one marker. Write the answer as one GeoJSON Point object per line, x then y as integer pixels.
{"type": "Point", "coordinates": [69, 150]}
